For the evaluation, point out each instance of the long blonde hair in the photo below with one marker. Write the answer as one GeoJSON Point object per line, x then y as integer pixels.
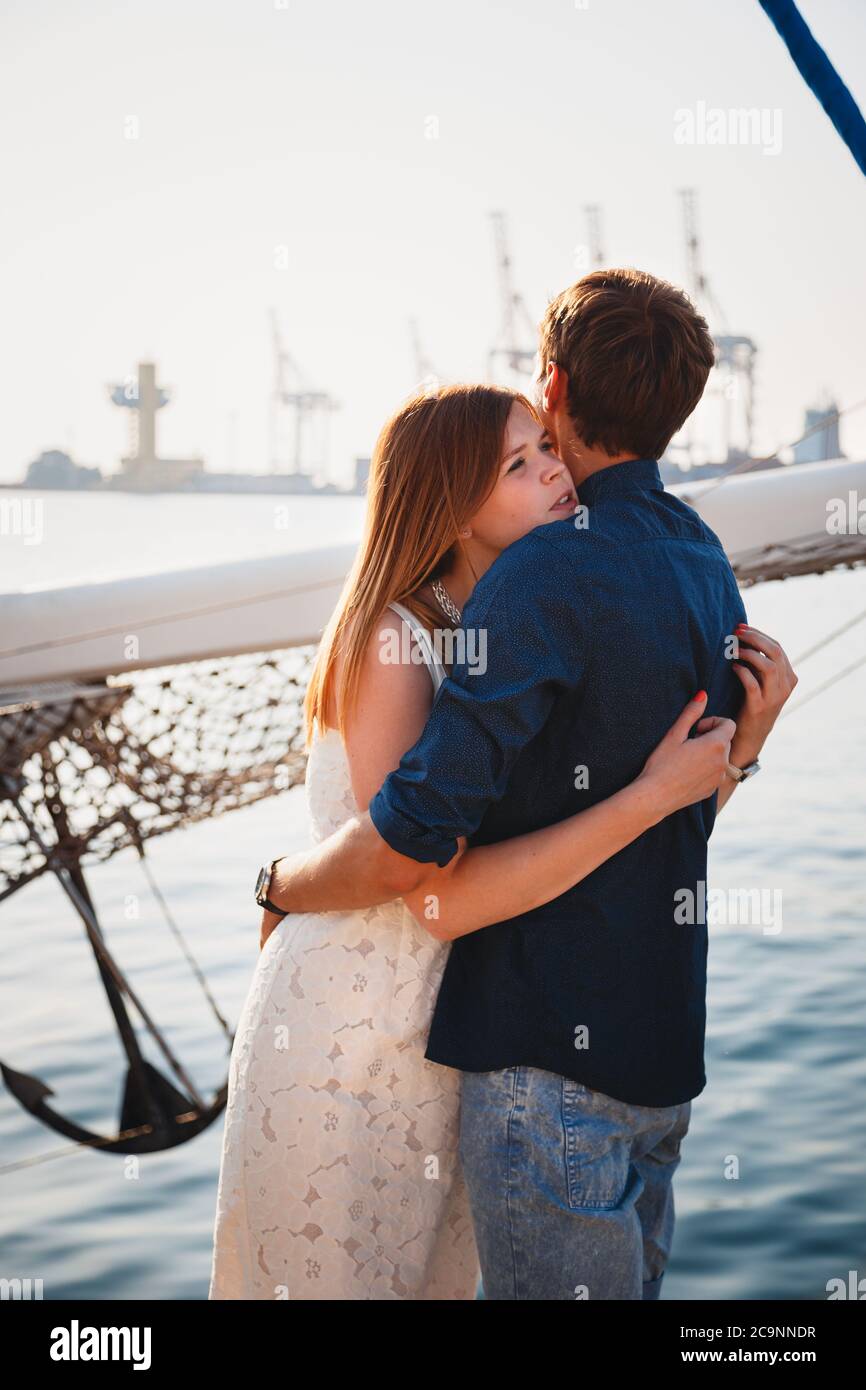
{"type": "Point", "coordinates": [435, 462]}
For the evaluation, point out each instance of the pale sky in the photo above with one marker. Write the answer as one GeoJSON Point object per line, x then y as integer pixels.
{"type": "Point", "coordinates": [306, 126]}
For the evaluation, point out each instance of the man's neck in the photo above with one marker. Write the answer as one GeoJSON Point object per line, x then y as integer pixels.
{"type": "Point", "coordinates": [582, 461]}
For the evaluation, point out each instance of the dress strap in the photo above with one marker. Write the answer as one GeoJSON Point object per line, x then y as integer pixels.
{"type": "Point", "coordinates": [434, 665]}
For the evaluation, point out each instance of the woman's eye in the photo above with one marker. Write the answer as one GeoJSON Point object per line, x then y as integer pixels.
{"type": "Point", "coordinates": [518, 463]}
{"type": "Point", "coordinates": [547, 446]}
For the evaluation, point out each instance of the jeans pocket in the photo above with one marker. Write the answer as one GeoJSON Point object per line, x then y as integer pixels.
{"type": "Point", "coordinates": [597, 1147]}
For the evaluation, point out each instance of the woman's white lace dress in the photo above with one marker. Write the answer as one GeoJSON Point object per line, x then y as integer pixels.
{"type": "Point", "coordinates": [340, 1175]}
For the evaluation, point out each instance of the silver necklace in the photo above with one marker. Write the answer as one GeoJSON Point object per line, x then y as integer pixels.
{"type": "Point", "coordinates": [445, 601]}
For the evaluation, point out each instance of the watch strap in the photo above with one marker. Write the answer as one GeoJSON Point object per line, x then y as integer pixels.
{"type": "Point", "coordinates": [265, 901]}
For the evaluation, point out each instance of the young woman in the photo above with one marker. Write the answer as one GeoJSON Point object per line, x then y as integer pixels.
{"type": "Point", "coordinates": [340, 1176]}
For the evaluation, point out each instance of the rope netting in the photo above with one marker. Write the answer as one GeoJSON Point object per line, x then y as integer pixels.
{"type": "Point", "coordinates": [93, 768]}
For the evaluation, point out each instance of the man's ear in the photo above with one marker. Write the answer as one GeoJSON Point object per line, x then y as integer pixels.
{"type": "Point", "coordinates": [554, 388]}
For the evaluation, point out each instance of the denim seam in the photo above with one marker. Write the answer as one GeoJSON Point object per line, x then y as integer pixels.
{"type": "Point", "coordinates": [515, 1089]}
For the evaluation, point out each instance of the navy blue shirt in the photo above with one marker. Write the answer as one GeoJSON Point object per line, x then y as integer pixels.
{"type": "Point", "coordinates": [596, 639]}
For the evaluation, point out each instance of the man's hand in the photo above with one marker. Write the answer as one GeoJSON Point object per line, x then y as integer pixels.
{"type": "Point", "coordinates": [768, 679]}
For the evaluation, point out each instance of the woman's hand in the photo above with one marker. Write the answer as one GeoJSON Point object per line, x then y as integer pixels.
{"type": "Point", "coordinates": [768, 679]}
{"type": "Point", "coordinates": [682, 770]}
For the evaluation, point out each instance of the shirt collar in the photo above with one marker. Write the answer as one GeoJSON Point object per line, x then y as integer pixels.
{"type": "Point", "coordinates": [634, 475]}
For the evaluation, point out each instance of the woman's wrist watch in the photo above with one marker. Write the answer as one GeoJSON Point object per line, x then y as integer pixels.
{"type": "Point", "coordinates": [740, 774]}
{"type": "Point", "coordinates": [263, 887]}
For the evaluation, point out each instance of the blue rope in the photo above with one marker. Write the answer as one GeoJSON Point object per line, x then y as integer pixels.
{"type": "Point", "coordinates": [817, 70]}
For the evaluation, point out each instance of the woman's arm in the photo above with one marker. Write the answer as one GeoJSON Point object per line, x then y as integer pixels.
{"type": "Point", "coordinates": [768, 680]}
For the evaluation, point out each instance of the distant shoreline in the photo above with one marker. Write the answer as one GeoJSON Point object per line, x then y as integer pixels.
{"type": "Point", "coordinates": [261, 486]}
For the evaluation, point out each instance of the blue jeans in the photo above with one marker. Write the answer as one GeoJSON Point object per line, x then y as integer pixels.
{"type": "Point", "coordinates": [570, 1189]}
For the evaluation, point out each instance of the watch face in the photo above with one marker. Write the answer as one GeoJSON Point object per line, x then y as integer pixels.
{"type": "Point", "coordinates": [260, 881]}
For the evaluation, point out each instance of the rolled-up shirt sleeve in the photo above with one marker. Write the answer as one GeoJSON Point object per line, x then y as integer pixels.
{"type": "Point", "coordinates": [525, 639]}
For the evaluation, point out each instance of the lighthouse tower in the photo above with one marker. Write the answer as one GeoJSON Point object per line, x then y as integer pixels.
{"type": "Point", "coordinates": [142, 470]}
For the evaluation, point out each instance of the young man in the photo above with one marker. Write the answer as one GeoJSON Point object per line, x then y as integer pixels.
{"type": "Point", "coordinates": [578, 1027]}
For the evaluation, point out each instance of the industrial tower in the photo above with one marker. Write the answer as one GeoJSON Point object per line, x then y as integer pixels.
{"type": "Point", "coordinates": [733, 381]}
{"type": "Point", "coordinates": [298, 417]}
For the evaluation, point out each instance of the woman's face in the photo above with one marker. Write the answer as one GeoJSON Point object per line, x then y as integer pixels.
{"type": "Point", "coordinates": [533, 486]}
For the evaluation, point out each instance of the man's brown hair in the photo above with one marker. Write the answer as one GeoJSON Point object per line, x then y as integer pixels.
{"type": "Point", "coordinates": [637, 355]}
